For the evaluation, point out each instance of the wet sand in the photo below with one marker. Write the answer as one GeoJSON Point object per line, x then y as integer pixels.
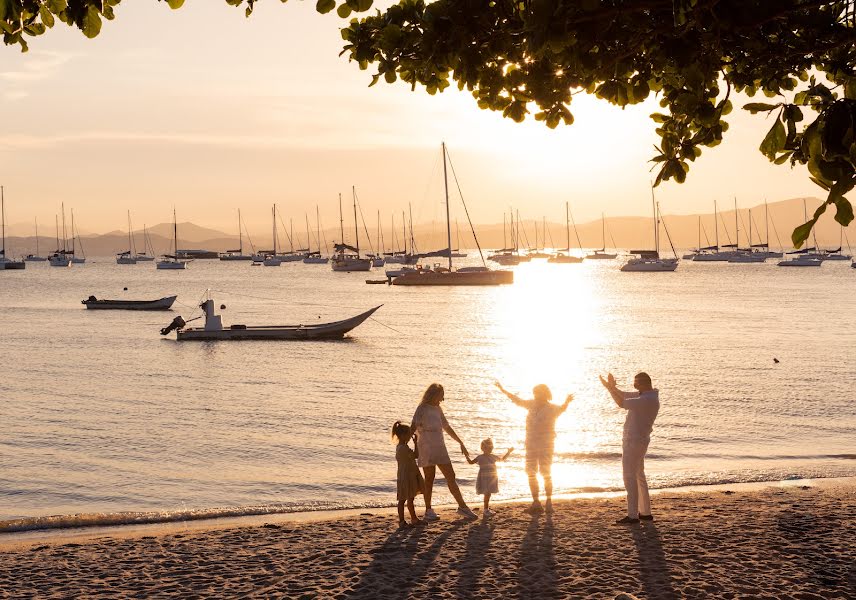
{"type": "Point", "coordinates": [777, 542]}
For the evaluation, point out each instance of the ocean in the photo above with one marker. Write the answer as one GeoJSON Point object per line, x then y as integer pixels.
{"type": "Point", "coordinates": [105, 421]}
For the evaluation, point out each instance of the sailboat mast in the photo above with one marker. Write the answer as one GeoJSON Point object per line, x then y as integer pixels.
{"type": "Point", "coordinates": [356, 229]}
{"type": "Point", "coordinates": [37, 236]}
{"type": "Point", "coordinates": [174, 234]}
{"type": "Point", "coordinates": [448, 222]}
{"type": "Point", "coordinates": [129, 234]}
{"type": "Point", "coordinates": [273, 230]}
{"type": "Point", "coordinates": [412, 239]}
{"type": "Point", "coordinates": [318, 226]}
{"type": "Point", "coordinates": [64, 233]}
{"type": "Point", "coordinates": [308, 244]}
{"type": "Point", "coordinates": [716, 226]}
{"type": "Point", "coordinates": [72, 232]}
{"type": "Point", "coordinates": [240, 234]}
{"type": "Point", "coordinates": [568, 225]}
{"type": "Point", "coordinates": [341, 221]}
{"type": "Point", "coordinates": [404, 231]}
{"type": "Point", "coordinates": [767, 224]}
{"type": "Point", "coordinates": [736, 227]}
{"type": "Point", "coordinates": [656, 223]}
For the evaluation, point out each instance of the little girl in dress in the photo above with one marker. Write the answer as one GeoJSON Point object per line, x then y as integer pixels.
{"type": "Point", "coordinates": [487, 482]}
{"type": "Point", "coordinates": [409, 481]}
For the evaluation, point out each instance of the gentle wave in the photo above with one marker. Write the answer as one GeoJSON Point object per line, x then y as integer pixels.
{"type": "Point", "coordinates": [148, 518]}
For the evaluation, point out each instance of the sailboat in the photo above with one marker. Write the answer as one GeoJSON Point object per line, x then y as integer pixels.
{"type": "Point", "coordinates": [148, 253]}
{"type": "Point", "coordinates": [566, 257]}
{"type": "Point", "coordinates": [60, 256]}
{"type": "Point", "coordinates": [237, 254]}
{"type": "Point", "coordinates": [128, 256]}
{"type": "Point", "coordinates": [602, 254]}
{"type": "Point", "coordinates": [712, 253]}
{"type": "Point", "coordinates": [6, 264]}
{"type": "Point", "coordinates": [347, 258]}
{"type": "Point", "coordinates": [836, 254]}
{"type": "Point", "coordinates": [766, 245]}
{"type": "Point", "coordinates": [378, 259]}
{"type": "Point", "coordinates": [272, 259]}
{"type": "Point", "coordinates": [748, 254]}
{"type": "Point", "coordinates": [804, 257]}
{"type": "Point", "coordinates": [75, 259]}
{"type": "Point", "coordinates": [35, 257]}
{"type": "Point", "coordinates": [508, 256]}
{"type": "Point", "coordinates": [170, 261]}
{"type": "Point", "coordinates": [449, 276]}
{"type": "Point", "coordinates": [650, 260]}
{"type": "Point", "coordinates": [456, 252]}
{"type": "Point", "coordinates": [315, 258]}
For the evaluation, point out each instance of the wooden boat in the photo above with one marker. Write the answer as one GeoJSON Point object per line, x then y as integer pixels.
{"type": "Point", "coordinates": [214, 329]}
{"type": "Point", "coordinates": [160, 304]}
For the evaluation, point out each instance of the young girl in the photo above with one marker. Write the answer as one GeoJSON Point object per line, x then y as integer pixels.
{"type": "Point", "coordinates": [487, 482]}
{"type": "Point", "coordinates": [410, 482]}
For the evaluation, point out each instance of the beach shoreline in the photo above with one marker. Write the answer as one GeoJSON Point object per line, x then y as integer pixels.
{"type": "Point", "coordinates": [791, 540]}
{"type": "Point", "coordinates": [62, 535]}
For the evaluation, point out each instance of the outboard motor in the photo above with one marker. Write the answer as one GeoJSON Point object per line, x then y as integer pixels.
{"type": "Point", "coordinates": [177, 323]}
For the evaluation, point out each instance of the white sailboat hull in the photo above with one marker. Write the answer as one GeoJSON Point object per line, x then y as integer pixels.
{"type": "Point", "coordinates": [642, 265]}
{"type": "Point", "coordinates": [172, 265]}
{"type": "Point", "coordinates": [348, 264]}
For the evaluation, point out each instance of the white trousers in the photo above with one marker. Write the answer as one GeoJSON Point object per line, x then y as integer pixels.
{"type": "Point", "coordinates": [633, 467]}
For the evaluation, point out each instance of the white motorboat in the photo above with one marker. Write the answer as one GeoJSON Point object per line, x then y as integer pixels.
{"type": "Point", "coordinates": [443, 276]}
{"type": "Point", "coordinates": [649, 261]}
{"type": "Point", "coordinates": [171, 261]}
{"type": "Point", "coordinates": [214, 329]}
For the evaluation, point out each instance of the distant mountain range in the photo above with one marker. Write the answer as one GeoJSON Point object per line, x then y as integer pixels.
{"type": "Point", "coordinates": [627, 232]}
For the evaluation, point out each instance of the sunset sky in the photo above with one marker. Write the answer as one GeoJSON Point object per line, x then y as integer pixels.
{"type": "Point", "coordinates": [208, 111]}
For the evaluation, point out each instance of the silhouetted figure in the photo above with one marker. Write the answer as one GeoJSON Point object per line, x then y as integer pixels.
{"type": "Point", "coordinates": [540, 437]}
{"type": "Point", "coordinates": [642, 407]}
{"type": "Point", "coordinates": [409, 482]}
{"type": "Point", "coordinates": [429, 423]}
{"type": "Point", "coordinates": [487, 482]}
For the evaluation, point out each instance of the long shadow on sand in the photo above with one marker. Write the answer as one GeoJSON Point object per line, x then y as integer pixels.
{"type": "Point", "coordinates": [399, 563]}
{"type": "Point", "coordinates": [537, 576]}
{"type": "Point", "coordinates": [654, 570]}
{"type": "Point", "coordinates": [479, 537]}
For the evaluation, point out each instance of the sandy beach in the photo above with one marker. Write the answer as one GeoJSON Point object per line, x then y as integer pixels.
{"type": "Point", "coordinates": [776, 542]}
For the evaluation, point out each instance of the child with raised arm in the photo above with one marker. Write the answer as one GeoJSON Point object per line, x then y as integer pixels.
{"type": "Point", "coordinates": [409, 480]}
{"type": "Point", "coordinates": [487, 482]}
{"type": "Point", "coordinates": [540, 437]}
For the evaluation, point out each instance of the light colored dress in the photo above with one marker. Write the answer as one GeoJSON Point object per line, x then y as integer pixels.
{"type": "Point", "coordinates": [410, 482]}
{"type": "Point", "coordinates": [487, 481]}
{"type": "Point", "coordinates": [429, 423]}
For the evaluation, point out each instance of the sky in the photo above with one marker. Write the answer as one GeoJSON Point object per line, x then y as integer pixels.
{"type": "Point", "coordinates": [206, 111]}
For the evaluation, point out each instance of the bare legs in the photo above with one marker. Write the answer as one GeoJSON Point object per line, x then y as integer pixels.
{"type": "Point", "coordinates": [487, 501]}
{"type": "Point", "coordinates": [540, 460]}
{"type": "Point", "coordinates": [449, 473]}
{"type": "Point", "coordinates": [410, 508]}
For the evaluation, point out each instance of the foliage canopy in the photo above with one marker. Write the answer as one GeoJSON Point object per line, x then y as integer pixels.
{"type": "Point", "coordinates": [516, 56]}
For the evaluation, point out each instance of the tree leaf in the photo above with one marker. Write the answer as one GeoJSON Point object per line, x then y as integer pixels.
{"type": "Point", "coordinates": [774, 142]}
{"type": "Point", "coordinates": [756, 107]}
{"type": "Point", "coordinates": [91, 22]}
{"type": "Point", "coordinates": [325, 6]}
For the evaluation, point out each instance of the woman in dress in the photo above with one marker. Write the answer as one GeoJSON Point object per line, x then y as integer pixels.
{"type": "Point", "coordinates": [429, 423]}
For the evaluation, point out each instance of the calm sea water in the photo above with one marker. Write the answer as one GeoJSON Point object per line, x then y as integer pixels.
{"type": "Point", "coordinates": [102, 415]}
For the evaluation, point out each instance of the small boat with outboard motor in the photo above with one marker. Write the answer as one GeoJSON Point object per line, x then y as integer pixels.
{"type": "Point", "coordinates": [215, 330]}
{"type": "Point", "coordinates": [160, 304]}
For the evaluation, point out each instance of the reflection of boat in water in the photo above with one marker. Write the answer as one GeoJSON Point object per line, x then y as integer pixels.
{"type": "Point", "coordinates": [214, 329]}
{"type": "Point", "coordinates": [160, 304]}
{"type": "Point", "coordinates": [441, 276]}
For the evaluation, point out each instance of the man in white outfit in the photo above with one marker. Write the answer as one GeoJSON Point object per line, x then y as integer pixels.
{"type": "Point", "coordinates": [642, 407]}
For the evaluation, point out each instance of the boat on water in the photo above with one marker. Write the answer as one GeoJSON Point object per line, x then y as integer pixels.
{"type": "Point", "coordinates": [148, 253]}
{"type": "Point", "coordinates": [128, 257]}
{"type": "Point", "coordinates": [59, 257]}
{"type": "Point", "coordinates": [314, 257]}
{"type": "Point", "coordinates": [804, 257]}
{"type": "Point", "coordinates": [237, 254]}
{"type": "Point", "coordinates": [565, 256]}
{"type": "Point", "coordinates": [448, 276]}
{"type": "Point", "coordinates": [171, 261]}
{"type": "Point", "coordinates": [214, 329]}
{"type": "Point", "coordinates": [94, 303]}
{"type": "Point", "coordinates": [6, 264]}
{"type": "Point", "coordinates": [800, 261]}
{"type": "Point", "coordinates": [601, 253]}
{"type": "Point", "coordinates": [36, 257]}
{"type": "Point", "coordinates": [347, 258]}
{"type": "Point", "coordinates": [75, 259]}
{"type": "Point", "coordinates": [650, 261]}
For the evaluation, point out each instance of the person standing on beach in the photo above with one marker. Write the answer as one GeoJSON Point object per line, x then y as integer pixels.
{"type": "Point", "coordinates": [540, 437]}
{"type": "Point", "coordinates": [642, 407]}
{"type": "Point", "coordinates": [429, 423]}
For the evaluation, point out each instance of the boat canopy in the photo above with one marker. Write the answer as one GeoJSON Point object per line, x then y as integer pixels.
{"type": "Point", "coordinates": [709, 248]}
{"type": "Point", "coordinates": [343, 247]}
